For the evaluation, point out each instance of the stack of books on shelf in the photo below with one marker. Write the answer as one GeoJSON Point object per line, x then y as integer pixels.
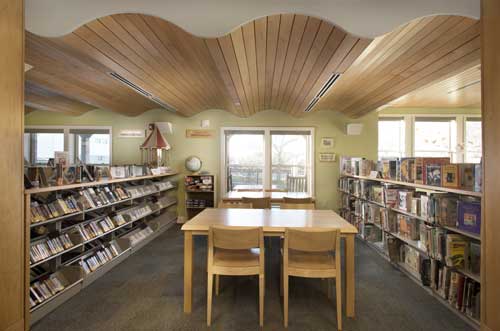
{"type": "Point", "coordinates": [164, 185]}
{"type": "Point", "coordinates": [43, 290]}
{"type": "Point", "coordinates": [45, 211]}
{"type": "Point", "coordinates": [198, 203]}
{"type": "Point", "coordinates": [139, 236]}
{"type": "Point", "coordinates": [199, 183]}
{"type": "Point", "coordinates": [137, 212]}
{"type": "Point", "coordinates": [94, 197]}
{"type": "Point", "coordinates": [165, 201]}
{"type": "Point", "coordinates": [138, 191]}
{"type": "Point", "coordinates": [45, 248]}
{"type": "Point", "coordinates": [99, 258]}
{"type": "Point", "coordinates": [96, 228]}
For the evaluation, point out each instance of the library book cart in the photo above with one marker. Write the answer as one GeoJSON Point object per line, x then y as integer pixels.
{"type": "Point", "coordinates": [424, 231]}
{"type": "Point", "coordinates": [76, 233]}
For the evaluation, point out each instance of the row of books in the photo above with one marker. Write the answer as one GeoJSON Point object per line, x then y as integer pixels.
{"type": "Point", "coordinates": [165, 201]}
{"type": "Point", "coordinates": [164, 185]}
{"type": "Point", "coordinates": [445, 209]}
{"type": "Point", "coordinates": [439, 243]}
{"type": "Point", "coordinates": [435, 171]}
{"type": "Point", "coordinates": [100, 257]}
{"type": "Point", "coordinates": [44, 211]}
{"type": "Point", "coordinates": [135, 213]}
{"type": "Point", "coordinates": [462, 292]}
{"type": "Point", "coordinates": [98, 227]}
{"type": "Point", "coordinates": [199, 183]}
{"type": "Point", "coordinates": [43, 290]}
{"type": "Point", "coordinates": [198, 203]}
{"type": "Point", "coordinates": [139, 236]}
{"type": "Point", "coordinates": [139, 191]}
{"type": "Point", "coordinates": [50, 246]}
{"type": "Point", "coordinates": [94, 197]}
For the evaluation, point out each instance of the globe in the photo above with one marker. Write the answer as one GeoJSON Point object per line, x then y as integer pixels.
{"type": "Point", "coordinates": [193, 163]}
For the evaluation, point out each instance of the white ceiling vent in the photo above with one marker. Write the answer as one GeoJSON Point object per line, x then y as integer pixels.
{"type": "Point", "coordinates": [329, 83]}
{"type": "Point", "coordinates": [142, 91]}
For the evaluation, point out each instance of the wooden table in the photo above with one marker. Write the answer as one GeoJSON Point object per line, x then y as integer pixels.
{"type": "Point", "coordinates": [276, 197]}
{"type": "Point", "coordinates": [274, 222]}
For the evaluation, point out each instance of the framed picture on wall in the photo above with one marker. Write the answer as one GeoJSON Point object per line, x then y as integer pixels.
{"type": "Point", "coordinates": [327, 143]}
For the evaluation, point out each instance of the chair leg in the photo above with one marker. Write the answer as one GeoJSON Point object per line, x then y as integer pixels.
{"type": "Point", "coordinates": [262, 285]}
{"type": "Point", "coordinates": [217, 283]}
{"type": "Point", "coordinates": [210, 286]}
{"type": "Point", "coordinates": [338, 294]}
{"type": "Point", "coordinates": [285, 300]}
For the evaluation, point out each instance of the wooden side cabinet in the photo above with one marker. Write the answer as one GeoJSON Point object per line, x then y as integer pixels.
{"type": "Point", "coordinates": [200, 193]}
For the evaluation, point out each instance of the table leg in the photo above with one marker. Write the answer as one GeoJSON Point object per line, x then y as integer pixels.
{"type": "Point", "coordinates": [188, 271]}
{"type": "Point", "coordinates": [350, 279]}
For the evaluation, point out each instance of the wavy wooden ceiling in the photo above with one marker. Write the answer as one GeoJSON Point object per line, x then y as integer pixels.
{"type": "Point", "coordinates": [420, 53]}
{"type": "Point", "coordinates": [275, 62]}
{"type": "Point", "coordinates": [460, 91]}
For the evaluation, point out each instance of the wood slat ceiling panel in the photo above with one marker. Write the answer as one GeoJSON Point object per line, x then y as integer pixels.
{"type": "Point", "coordinates": [420, 53]}
{"type": "Point", "coordinates": [38, 98]}
{"type": "Point", "coordinates": [459, 91]}
{"type": "Point", "coordinates": [275, 62]}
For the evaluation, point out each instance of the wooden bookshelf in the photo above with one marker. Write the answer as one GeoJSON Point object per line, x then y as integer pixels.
{"type": "Point", "coordinates": [159, 204]}
{"type": "Point", "coordinates": [198, 198]}
{"type": "Point", "coordinates": [420, 186]}
{"type": "Point", "coordinates": [380, 248]}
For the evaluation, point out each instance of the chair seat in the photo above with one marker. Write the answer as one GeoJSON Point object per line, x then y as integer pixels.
{"type": "Point", "coordinates": [231, 258]}
{"type": "Point", "coordinates": [311, 261]}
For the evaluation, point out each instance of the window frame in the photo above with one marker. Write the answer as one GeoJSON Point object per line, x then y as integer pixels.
{"type": "Point", "coordinates": [66, 131]}
{"type": "Point", "coordinates": [393, 118]}
{"type": "Point", "coordinates": [410, 131]}
{"type": "Point", "coordinates": [267, 176]}
{"type": "Point", "coordinates": [476, 118]}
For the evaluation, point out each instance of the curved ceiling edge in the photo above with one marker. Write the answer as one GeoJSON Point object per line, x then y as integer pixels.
{"type": "Point", "coordinates": [215, 18]}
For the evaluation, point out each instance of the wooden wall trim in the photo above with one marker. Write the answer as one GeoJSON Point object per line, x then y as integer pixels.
{"type": "Point", "coordinates": [490, 262]}
{"type": "Point", "coordinates": [12, 245]}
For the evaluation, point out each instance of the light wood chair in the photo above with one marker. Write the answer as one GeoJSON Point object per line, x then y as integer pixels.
{"type": "Point", "coordinates": [312, 254]}
{"type": "Point", "coordinates": [306, 206]}
{"type": "Point", "coordinates": [258, 203]}
{"type": "Point", "coordinates": [297, 200]}
{"type": "Point", "coordinates": [235, 251]}
{"type": "Point", "coordinates": [223, 204]}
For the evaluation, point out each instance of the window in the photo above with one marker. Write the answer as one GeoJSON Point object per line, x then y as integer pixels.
{"type": "Point", "coordinates": [91, 145]}
{"type": "Point", "coordinates": [41, 144]}
{"type": "Point", "coordinates": [277, 159]}
{"type": "Point", "coordinates": [454, 136]}
{"type": "Point", "coordinates": [473, 140]}
{"type": "Point", "coordinates": [391, 137]}
{"type": "Point", "coordinates": [245, 160]}
{"type": "Point", "coordinates": [290, 160]}
{"type": "Point", "coordinates": [435, 137]}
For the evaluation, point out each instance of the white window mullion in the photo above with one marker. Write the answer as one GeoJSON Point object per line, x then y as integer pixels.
{"type": "Point", "coordinates": [460, 146]}
{"type": "Point", "coordinates": [267, 180]}
{"type": "Point", "coordinates": [409, 135]}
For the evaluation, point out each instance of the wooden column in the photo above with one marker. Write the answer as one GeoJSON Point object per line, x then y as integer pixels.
{"type": "Point", "coordinates": [12, 245]}
{"type": "Point", "coordinates": [490, 264]}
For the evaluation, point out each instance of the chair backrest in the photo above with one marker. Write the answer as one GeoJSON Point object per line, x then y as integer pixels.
{"type": "Point", "coordinates": [306, 206]}
{"type": "Point", "coordinates": [312, 240]}
{"type": "Point", "coordinates": [296, 184]}
{"type": "Point", "coordinates": [238, 204]}
{"type": "Point", "coordinates": [235, 237]}
{"type": "Point", "coordinates": [258, 203]}
{"type": "Point", "coordinates": [297, 200]}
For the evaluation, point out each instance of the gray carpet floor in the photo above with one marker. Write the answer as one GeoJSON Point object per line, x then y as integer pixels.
{"type": "Point", "coordinates": [145, 292]}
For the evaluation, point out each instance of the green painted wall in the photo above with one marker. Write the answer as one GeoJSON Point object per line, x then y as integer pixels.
{"type": "Point", "coordinates": [326, 124]}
